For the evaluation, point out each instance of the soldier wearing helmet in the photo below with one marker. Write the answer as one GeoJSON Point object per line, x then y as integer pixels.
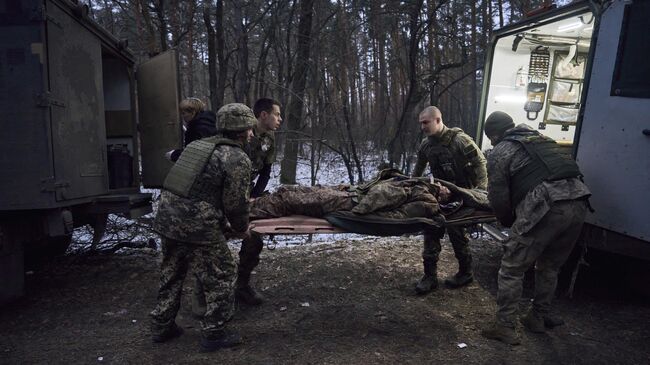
{"type": "Point", "coordinates": [535, 189]}
{"type": "Point", "coordinates": [204, 195]}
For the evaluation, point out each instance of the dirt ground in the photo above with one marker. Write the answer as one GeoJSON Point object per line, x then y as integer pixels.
{"type": "Point", "coordinates": [349, 302]}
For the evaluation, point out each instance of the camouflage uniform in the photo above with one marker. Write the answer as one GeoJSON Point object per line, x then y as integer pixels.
{"type": "Point", "coordinates": [545, 227]}
{"type": "Point", "coordinates": [313, 201]}
{"type": "Point", "coordinates": [397, 199]}
{"type": "Point", "coordinates": [192, 238]}
{"type": "Point", "coordinates": [261, 151]}
{"type": "Point", "coordinates": [452, 156]}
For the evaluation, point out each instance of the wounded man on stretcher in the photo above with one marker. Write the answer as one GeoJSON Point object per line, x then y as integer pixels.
{"type": "Point", "coordinates": [390, 204]}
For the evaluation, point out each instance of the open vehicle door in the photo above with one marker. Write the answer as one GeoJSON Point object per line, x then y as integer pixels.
{"type": "Point", "coordinates": [159, 120]}
{"type": "Point", "coordinates": [76, 105]}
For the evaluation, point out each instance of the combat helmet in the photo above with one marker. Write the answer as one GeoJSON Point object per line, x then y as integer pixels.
{"type": "Point", "coordinates": [235, 117]}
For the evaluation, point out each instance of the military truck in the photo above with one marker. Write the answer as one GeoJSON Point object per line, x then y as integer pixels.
{"type": "Point", "coordinates": [580, 75]}
{"type": "Point", "coordinates": [82, 129]}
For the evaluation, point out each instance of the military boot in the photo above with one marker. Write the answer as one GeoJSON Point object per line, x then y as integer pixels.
{"type": "Point", "coordinates": [551, 322]}
{"type": "Point", "coordinates": [220, 340]}
{"type": "Point", "coordinates": [463, 277]}
{"type": "Point", "coordinates": [245, 293]}
{"type": "Point", "coordinates": [429, 281]}
{"type": "Point", "coordinates": [501, 333]}
{"type": "Point", "coordinates": [168, 334]}
{"type": "Point", "coordinates": [534, 322]}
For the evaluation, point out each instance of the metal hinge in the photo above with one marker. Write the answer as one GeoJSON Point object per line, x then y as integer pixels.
{"type": "Point", "coordinates": [48, 184]}
{"type": "Point", "coordinates": [46, 100]}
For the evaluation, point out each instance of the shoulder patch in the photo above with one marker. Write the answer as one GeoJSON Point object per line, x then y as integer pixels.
{"type": "Point", "coordinates": [470, 151]}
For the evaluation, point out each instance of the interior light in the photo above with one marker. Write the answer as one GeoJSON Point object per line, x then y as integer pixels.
{"type": "Point", "coordinates": [568, 27]}
{"type": "Point", "coordinates": [510, 99]}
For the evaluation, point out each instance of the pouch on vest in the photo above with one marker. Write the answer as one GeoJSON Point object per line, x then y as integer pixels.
{"type": "Point", "coordinates": [537, 76]}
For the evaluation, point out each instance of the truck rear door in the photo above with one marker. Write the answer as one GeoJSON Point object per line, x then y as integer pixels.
{"type": "Point", "coordinates": [614, 148]}
{"type": "Point", "coordinates": [159, 119]}
{"type": "Point", "coordinates": [76, 104]}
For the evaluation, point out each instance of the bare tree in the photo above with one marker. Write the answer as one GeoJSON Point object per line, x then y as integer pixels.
{"type": "Point", "coordinates": [294, 111]}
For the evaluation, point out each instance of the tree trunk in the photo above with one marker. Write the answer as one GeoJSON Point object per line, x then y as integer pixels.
{"type": "Point", "coordinates": [162, 25]}
{"type": "Point", "coordinates": [221, 58]}
{"type": "Point", "coordinates": [294, 115]}
{"type": "Point", "coordinates": [413, 94]}
{"type": "Point", "coordinates": [212, 57]}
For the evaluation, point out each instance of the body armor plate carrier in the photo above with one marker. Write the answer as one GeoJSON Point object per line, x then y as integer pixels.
{"type": "Point", "coordinates": [182, 178]}
{"type": "Point", "coordinates": [444, 164]}
{"type": "Point", "coordinates": [548, 163]}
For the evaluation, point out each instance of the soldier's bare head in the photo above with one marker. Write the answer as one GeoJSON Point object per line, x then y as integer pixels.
{"type": "Point", "coordinates": [268, 114]}
{"type": "Point", "coordinates": [430, 120]}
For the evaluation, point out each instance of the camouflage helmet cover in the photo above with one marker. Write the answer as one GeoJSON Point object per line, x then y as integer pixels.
{"type": "Point", "coordinates": [235, 117]}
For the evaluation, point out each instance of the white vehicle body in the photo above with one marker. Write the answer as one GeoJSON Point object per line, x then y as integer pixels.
{"type": "Point", "coordinates": [596, 103]}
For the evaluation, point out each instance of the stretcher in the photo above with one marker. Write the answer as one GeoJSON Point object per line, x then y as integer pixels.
{"type": "Point", "coordinates": [298, 224]}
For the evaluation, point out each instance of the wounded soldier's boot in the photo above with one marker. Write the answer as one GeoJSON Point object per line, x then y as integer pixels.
{"type": "Point", "coordinates": [220, 340]}
{"type": "Point", "coordinates": [463, 277]}
{"type": "Point", "coordinates": [429, 281]}
{"type": "Point", "coordinates": [501, 333]}
{"type": "Point", "coordinates": [245, 293]}
{"type": "Point", "coordinates": [534, 322]}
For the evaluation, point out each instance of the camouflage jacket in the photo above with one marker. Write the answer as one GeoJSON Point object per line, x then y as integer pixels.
{"type": "Point", "coordinates": [504, 161]}
{"type": "Point", "coordinates": [403, 198]}
{"type": "Point", "coordinates": [195, 221]}
{"type": "Point", "coordinates": [261, 151]}
{"type": "Point", "coordinates": [465, 156]}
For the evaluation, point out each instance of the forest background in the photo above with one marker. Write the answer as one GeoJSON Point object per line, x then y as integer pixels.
{"type": "Point", "coordinates": [351, 75]}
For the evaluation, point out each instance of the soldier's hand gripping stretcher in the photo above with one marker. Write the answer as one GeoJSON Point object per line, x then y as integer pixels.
{"type": "Point", "coordinates": [229, 233]}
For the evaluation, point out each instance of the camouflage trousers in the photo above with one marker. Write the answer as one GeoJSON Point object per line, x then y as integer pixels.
{"type": "Point", "coordinates": [313, 201]}
{"type": "Point", "coordinates": [210, 265]}
{"type": "Point", "coordinates": [459, 242]}
{"type": "Point", "coordinates": [548, 246]}
{"type": "Point", "coordinates": [249, 257]}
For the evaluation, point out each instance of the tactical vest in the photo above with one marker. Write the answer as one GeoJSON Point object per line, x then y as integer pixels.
{"type": "Point", "coordinates": [442, 161]}
{"type": "Point", "coordinates": [548, 163]}
{"type": "Point", "coordinates": [183, 180]}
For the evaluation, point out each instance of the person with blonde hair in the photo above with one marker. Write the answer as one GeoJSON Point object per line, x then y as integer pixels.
{"type": "Point", "coordinates": [198, 123]}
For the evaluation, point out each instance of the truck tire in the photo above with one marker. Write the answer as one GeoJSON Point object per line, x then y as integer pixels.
{"type": "Point", "coordinates": [44, 250]}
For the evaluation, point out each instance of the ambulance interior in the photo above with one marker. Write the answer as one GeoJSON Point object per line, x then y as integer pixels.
{"type": "Point", "coordinates": [537, 75]}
